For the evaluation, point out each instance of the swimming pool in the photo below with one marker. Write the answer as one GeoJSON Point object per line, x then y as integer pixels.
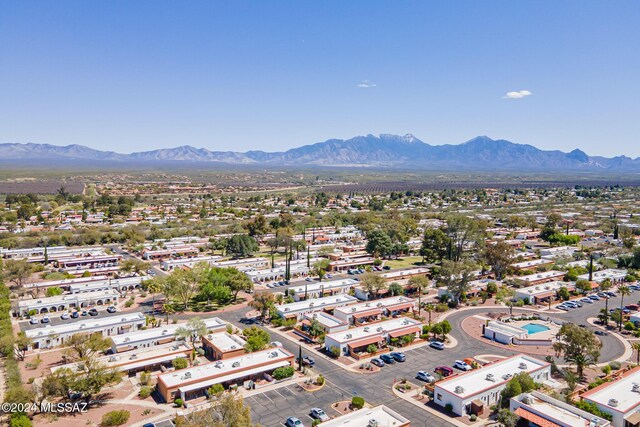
{"type": "Point", "coordinates": [534, 328]}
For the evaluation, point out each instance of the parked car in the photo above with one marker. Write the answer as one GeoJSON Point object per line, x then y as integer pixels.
{"type": "Point", "coordinates": [445, 371]}
{"type": "Point", "coordinates": [425, 376]}
{"type": "Point", "coordinates": [386, 267]}
{"type": "Point", "coordinates": [93, 312]}
{"type": "Point", "coordinates": [75, 315]}
{"type": "Point", "coordinates": [111, 309]}
{"type": "Point", "coordinates": [276, 344]}
{"type": "Point", "coordinates": [437, 345]}
{"type": "Point", "coordinates": [464, 366]}
{"type": "Point", "coordinates": [319, 414]}
{"type": "Point", "coordinates": [586, 300]}
{"type": "Point", "coordinates": [293, 422]}
{"type": "Point", "coordinates": [611, 293]}
{"type": "Point", "coordinates": [633, 307]}
{"type": "Point", "coordinates": [34, 320]}
{"type": "Point", "coordinates": [377, 362]}
{"type": "Point", "coordinates": [308, 279]}
{"type": "Point", "coordinates": [603, 295]}
{"type": "Point", "coordinates": [398, 356]}
{"type": "Point", "coordinates": [65, 316]}
{"type": "Point", "coordinates": [45, 319]}
{"type": "Point", "coordinates": [563, 307]}
{"type": "Point", "coordinates": [601, 333]}
{"type": "Point", "coordinates": [84, 313]}
{"type": "Point", "coordinates": [308, 361]}
{"type": "Point", "coordinates": [594, 297]}
{"type": "Point", "coordinates": [329, 276]}
{"type": "Point", "coordinates": [387, 358]}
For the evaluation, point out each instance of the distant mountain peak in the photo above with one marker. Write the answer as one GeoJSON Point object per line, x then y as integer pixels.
{"type": "Point", "coordinates": [384, 150]}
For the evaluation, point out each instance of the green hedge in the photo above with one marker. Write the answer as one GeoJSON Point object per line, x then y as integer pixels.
{"type": "Point", "coordinates": [284, 372]}
{"type": "Point", "coordinates": [16, 392]}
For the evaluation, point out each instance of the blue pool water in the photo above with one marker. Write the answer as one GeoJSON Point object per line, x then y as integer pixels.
{"type": "Point", "coordinates": [534, 328]}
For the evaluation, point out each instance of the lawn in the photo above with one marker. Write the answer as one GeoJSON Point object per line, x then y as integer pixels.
{"type": "Point", "coordinates": [406, 262]}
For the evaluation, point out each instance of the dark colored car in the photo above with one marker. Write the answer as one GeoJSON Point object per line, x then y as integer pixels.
{"type": "Point", "coordinates": [93, 312]}
{"type": "Point", "coordinates": [387, 358]}
{"type": "Point", "coordinates": [398, 356]}
{"type": "Point", "coordinates": [75, 315]}
{"type": "Point", "coordinates": [308, 361]}
{"type": "Point", "coordinates": [445, 371]}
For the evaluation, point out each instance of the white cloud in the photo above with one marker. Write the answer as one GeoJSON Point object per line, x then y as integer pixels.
{"type": "Point", "coordinates": [366, 84]}
{"type": "Point", "coordinates": [518, 94]}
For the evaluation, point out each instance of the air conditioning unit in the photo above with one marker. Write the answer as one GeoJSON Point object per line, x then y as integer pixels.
{"type": "Point", "coordinates": [613, 403]}
{"type": "Point", "coordinates": [635, 388]}
{"type": "Point", "coordinates": [527, 399]}
{"type": "Point", "coordinates": [459, 389]}
{"type": "Point", "coordinates": [366, 329]}
{"type": "Point", "coordinates": [490, 377]}
{"type": "Point", "coordinates": [522, 365]}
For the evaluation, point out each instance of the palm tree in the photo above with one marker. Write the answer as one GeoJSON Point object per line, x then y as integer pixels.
{"type": "Point", "coordinates": [636, 347]}
{"type": "Point", "coordinates": [624, 291]}
{"type": "Point", "coordinates": [168, 310]}
{"type": "Point", "coordinates": [430, 308]}
{"type": "Point", "coordinates": [422, 283]}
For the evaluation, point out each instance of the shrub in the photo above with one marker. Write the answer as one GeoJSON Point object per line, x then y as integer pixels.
{"type": "Point", "coordinates": [179, 402]}
{"type": "Point", "coordinates": [335, 351]}
{"type": "Point", "coordinates": [115, 418]}
{"type": "Point", "coordinates": [448, 407]}
{"type": "Point", "coordinates": [473, 417]}
{"type": "Point", "coordinates": [606, 369]}
{"type": "Point", "coordinates": [284, 372]}
{"type": "Point", "coordinates": [629, 326]}
{"type": "Point", "coordinates": [357, 402]}
{"type": "Point", "coordinates": [145, 377]}
{"type": "Point", "coordinates": [216, 390]}
{"type": "Point", "coordinates": [144, 392]}
{"type": "Point", "coordinates": [128, 303]}
{"type": "Point", "coordinates": [320, 380]}
{"type": "Point", "coordinates": [180, 363]}
{"type": "Point", "coordinates": [615, 365]}
{"type": "Point", "coordinates": [20, 420]}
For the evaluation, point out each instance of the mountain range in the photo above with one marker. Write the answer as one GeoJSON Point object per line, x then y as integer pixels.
{"type": "Point", "coordinates": [389, 151]}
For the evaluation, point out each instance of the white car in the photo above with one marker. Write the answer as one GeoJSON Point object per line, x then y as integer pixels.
{"type": "Point", "coordinates": [464, 366]}
{"type": "Point", "coordinates": [425, 376]}
{"type": "Point", "coordinates": [65, 316]}
{"type": "Point", "coordinates": [34, 321]}
{"type": "Point", "coordinates": [319, 414]}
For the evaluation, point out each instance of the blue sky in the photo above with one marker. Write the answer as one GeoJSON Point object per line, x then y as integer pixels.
{"type": "Point", "coordinates": [271, 75]}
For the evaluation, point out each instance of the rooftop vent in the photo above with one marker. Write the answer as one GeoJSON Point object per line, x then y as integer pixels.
{"type": "Point", "coordinates": [522, 365]}
{"type": "Point", "coordinates": [235, 364]}
{"type": "Point", "coordinates": [635, 388]}
{"type": "Point", "coordinates": [613, 403]}
{"type": "Point", "coordinates": [490, 377]}
{"type": "Point", "coordinates": [187, 374]}
{"type": "Point", "coordinates": [459, 389]}
{"type": "Point", "coordinates": [379, 329]}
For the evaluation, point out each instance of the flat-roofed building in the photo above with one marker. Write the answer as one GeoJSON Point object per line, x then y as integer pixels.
{"type": "Point", "coordinates": [558, 252]}
{"type": "Point", "coordinates": [532, 264]}
{"type": "Point", "coordinates": [613, 274]}
{"type": "Point", "coordinates": [170, 264]}
{"type": "Point", "coordinates": [538, 409]}
{"type": "Point", "coordinates": [540, 294]}
{"type": "Point", "coordinates": [391, 276]}
{"type": "Point", "coordinates": [64, 283]}
{"type": "Point", "coordinates": [159, 335]}
{"type": "Point", "coordinates": [122, 284]}
{"type": "Point", "coordinates": [356, 340]}
{"type": "Point", "coordinates": [620, 398]}
{"type": "Point", "coordinates": [372, 311]}
{"type": "Point", "coordinates": [91, 261]}
{"type": "Point", "coordinates": [329, 323]}
{"type": "Point", "coordinates": [351, 262]}
{"type": "Point", "coordinates": [300, 308]}
{"type": "Point", "coordinates": [53, 336]}
{"type": "Point", "coordinates": [322, 289]}
{"type": "Point", "coordinates": [367, 417]}
{"type": "Point", "coordinates": [65, 302]}
{"type": "Point", "coordinates": [542, 277]}
{"type": "Point", "coordinates": [223, 345]}
{"type": "Point", "coordinates": [143, 359]}
{"type": "Point", "coordinates": [278, 273]}
{"type": "Point", "coordinates": [192, 382]}
{"type": "Point", "coordinates": [473, 391]}
{"type": "Point", "coordinates": [171, 251]}
{"type": "Point", "coordinates": [243, 263]}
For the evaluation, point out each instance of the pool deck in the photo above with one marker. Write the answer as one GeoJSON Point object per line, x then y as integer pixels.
{"type": "Point", "coordinates": [549, 334]}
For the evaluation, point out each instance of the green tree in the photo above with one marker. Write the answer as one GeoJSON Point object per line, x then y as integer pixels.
{"type": "Point", "coordinates": [395, 289]}
{"type": "Point", "coordinates": [54, 291]}
{"type": "Point", "coordinates": [16, 271]}
{"type": "Point", "coordinates": [434, 245]}
{"type": "Point", "coordinates": [263, 302]}
{"type": "Point", "coordinates": [623, 291]}
{"type": "Point", "coordinates": [320, 268]}
{"type": "Point", "coordinates": [229, 411]}
{"type": "Point", "coordinates": [257, 338]}
{"type": "Point", "coordinates": [193, 330]}
{"type": "Point", "coordinates": [372, 283]}
{"type": "Point", "coordinates": [379, 243]}
{"type": "Point", "coordinates": [498, 257]}
{"type": "Point", "coordinates": [455, 276]}
{"type": "Point", "coordinates": [242, 246]}
{"type": "Point", "coordinates": [578, 346]}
